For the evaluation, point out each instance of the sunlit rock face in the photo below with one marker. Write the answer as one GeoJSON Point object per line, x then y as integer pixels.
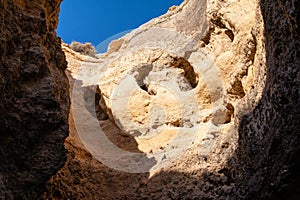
{"type": "Point", "coordinates": [183, 73]}
{"type": "Point", "coordinates": [203, 94]}
{"type": "Point", "coordinates": [34, 101]}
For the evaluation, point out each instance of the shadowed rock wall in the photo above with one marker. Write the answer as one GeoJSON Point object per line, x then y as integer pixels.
{"type": "Point", "coordinates": [34, 102]}
{"type": "Point", "coordinates": [269, 143]}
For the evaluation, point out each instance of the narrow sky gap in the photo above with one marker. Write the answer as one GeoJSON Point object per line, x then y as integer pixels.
{"type": "Point", "coordinates": [96, 20]}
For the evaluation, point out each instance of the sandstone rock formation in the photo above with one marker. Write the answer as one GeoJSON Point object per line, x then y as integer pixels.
{"type": "Point", "coordinates": [34, 101]}
{"type": "Point", "coordinates": [200, 103]}
{"type": "Point", "coordinates": [213, 85]}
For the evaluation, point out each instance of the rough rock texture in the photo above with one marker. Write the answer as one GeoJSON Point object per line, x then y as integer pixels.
{"type": "Point", "coordinates": [34, 101]}
{"type": "Point", "coordinates": [267, 158]}
{"type": "Point", "coordinates": [225, 73]}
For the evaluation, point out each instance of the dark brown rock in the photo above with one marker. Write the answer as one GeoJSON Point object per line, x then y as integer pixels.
{"type": "Point", "coordinates": [269, 142]}
{"type": "Point", "coordinates": [34, 101]}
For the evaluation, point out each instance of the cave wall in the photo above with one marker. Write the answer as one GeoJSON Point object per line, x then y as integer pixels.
{"type": "Point", "coordinates": [267, 158]}
{"type": "Point", "coordinates": [34, 101]}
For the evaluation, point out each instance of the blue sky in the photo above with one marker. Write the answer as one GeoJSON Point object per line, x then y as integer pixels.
{"type": "Point", "coordinates": [96, 20]}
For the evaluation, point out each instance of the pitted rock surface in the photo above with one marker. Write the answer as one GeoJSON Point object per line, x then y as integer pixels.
{"type": "Point", "coordinates": [34, 102]}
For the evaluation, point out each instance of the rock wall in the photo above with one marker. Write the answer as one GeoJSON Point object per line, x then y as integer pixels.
{"type": "Point", "coordinates": [240, 58]}
{"type": "Point", "coordinates": [236, 61]}
{"type": "Point", "coordinates": [267, 157]}
{"type": "Point", "coordinates": [34, 101]}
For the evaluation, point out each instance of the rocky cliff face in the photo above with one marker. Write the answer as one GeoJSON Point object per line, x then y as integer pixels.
{"type": "Point", "coordinates": [200, 103]}
{"type": "Point", "coordinates": [34, 101]}
{"type": "Point", "coordinates": [207, 96]}
{"type": "Point", "coordinates": [268, 146]}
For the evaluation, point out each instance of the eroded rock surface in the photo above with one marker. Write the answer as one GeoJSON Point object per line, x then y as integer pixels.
{"type": "Point", "coordinates": [34, 101]}
{"type": "Point", "coordinates": [206, 94]}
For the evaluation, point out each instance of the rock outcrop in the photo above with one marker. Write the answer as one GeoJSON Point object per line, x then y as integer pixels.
{"type": "Point", "coordinates": [34, 103]}
{"type": "Point", "coordinates": [206, 95]}
{"type": "Point", "coordinates": [200, 103]}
